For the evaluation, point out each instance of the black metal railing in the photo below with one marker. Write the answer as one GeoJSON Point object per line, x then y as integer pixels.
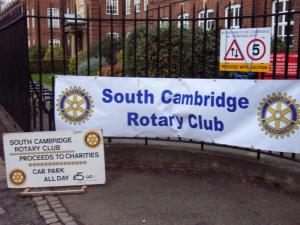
{"type": "Point", "coordinates": [156, 45]}
{"type": "Point", "coordinates": [14, 67]}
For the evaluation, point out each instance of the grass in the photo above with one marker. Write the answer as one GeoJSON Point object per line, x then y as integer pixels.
{"type": "Point", "coordinates": [46, 78]}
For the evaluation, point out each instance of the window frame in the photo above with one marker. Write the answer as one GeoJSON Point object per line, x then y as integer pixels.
{"type": "Point", "coordinates": [209, 23]}
{"type": "Point", "coordinates": [234, 21]}
{"type": "Point", "coordinates": [56, 42]}
{"type": "Point", "coordinates": [128, 7]}
{"type": "Point", "coordinates": [137, 5]}
{"type": "Point", "coordinates": [112, 8]}
{"type": "Point", "coordinates": [146, 3]}
{"type": "Point", "coordinates": [32, 19]}
{"type": "Point", "coordinates": [164, 22]}
{"type": "Point", "coordinates": [186, 23]}
{"type": "Point", "coordinates": [282, 24]}
{"type": "Point", "coordinates": [115, 35]}
{"type": "Point", "coordinates": [55, 22]}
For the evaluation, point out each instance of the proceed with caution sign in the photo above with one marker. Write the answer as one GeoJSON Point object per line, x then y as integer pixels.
{"type": "Point", "coordinates": [60, 158]}
{"type": "Point", "coordinates": [245, 50]}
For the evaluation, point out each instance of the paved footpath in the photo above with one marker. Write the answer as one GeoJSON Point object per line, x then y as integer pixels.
{"type": "Point", "coordinates": [133, 197]}
{"type": "Point", "coordinates": [15, 210]}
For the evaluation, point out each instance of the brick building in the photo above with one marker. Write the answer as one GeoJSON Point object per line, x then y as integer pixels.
{"type": "Point", "coordinates": [118, 9]}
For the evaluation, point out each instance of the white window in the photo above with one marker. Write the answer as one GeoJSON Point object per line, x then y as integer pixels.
{"type": "Point", "coordinates": [81, 2]}
{"type": "Point", "coordinates": [128, 7]}
{"type": "Point", "coordinates": [29, 44]}
{"type": "Point", "coordinates": [146, 3]}
{"type": "Point", "coordinates": [56, 42]}
{"type": "Point", "coordinates": [137, 5]}
{"type": "Point", "coordinates": [209, 22]}
{"type": "Point", "coordinates": [185, 22]}
{"type": "Point", "coordinates": [33, 19]}
{"type": "Point", "coordinates": [164, 22]}
{"type": "Point", "coordinates": [112, 7]}
{"type": "Point", "coordinates": [234, 12]}
{"type": "Point", "coordinates": [28, 19]}
{"type": "Point", "coordinates": [115, 35]}
{"type": "Point", "coordinates": [55, 13]}
{"type": "Point", "coordinates": [282, 19]}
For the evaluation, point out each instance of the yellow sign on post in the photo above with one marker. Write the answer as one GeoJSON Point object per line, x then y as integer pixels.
{"type": "Point", "coordinates": [245, 50]}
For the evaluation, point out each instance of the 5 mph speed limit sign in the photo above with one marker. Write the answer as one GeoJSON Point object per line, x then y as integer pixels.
{"type": "Point", "coordinates": [245, 50]}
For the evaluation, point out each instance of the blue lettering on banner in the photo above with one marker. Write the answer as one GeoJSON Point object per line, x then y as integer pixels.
{"type": "Point", "coordinates": [194, 121]}
{"type": "Point", "coordinates": [140, 97]}
{"type": "Point", "coordinates": [230, 103]}
{"type": "Point", "coordinates": [168, 97]}
{"type": "Point", "coordinates": [196, 99]}
{"type": "Point", "coordinates": [134, 119]}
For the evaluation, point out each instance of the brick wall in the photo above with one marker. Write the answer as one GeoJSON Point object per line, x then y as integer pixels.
{"type": "Point", "coordinates": [97, 6]}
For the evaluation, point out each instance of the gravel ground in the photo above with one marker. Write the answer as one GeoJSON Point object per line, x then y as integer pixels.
{"type": "Point", "coordinates": [16, 210]}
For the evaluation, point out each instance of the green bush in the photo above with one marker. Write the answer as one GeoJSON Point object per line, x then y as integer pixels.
{"type": "Point", "coordinates": [34, 53]}
{"type": "Point", "coordinates": [281, 45]}
{"type": "Point", "coordinates": [57, 53]}
{"type": "Point", "coordinates": [200, 65]}
{"type": "Point", "coordinates": [106, 50]}
{"type": "Point", "coordinates": [94, 66]}
{"type": "Point", "coordinates": [72, 64]}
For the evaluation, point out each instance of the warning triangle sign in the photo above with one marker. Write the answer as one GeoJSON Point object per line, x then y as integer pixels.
{"type": "Point", "coordinates": [234, 52]}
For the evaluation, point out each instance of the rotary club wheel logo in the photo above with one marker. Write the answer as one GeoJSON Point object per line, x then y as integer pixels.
{"type": "Point", "coordinates": [17, 177]}
{"type": "Point", "coordinates": [75, 105]}
{"type": "Point", "coordinates": [279, 115]}
{"type": "Point", "coordinates": [92, 139]}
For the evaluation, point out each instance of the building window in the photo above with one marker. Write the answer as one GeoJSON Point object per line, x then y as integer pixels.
{"type": "Point", "coordinates": [146, 3]}
{"type": "Point", "coordinates": [185, 22]}
{"type": "Point", "coordinates": [55, 13]}
{"type": "Point", "coordinates": [115, 35]}
{"type": "Point", "coordinates": [137, 5]}
{"type": "Point", "coordinates": [164, 22]}
{"type": "Point", "coordinates": [209, 22]}
{"type": "Point", "coordinates": [234, 12]}
{"type": "Point", "coordinates": [56, 42]}
{"type": "Point", "coordinates": [128, 7]}
{"type": "Point", "coordinates": [282, 19]}
{"type": "Point", "coordinates": [112, 7]}
{"type": "Point", "coordinates": [33, 19]}
{"type": "Point", "coordinates": [28, 19]}
{"type": "Point", "coordinates": [81, 2]}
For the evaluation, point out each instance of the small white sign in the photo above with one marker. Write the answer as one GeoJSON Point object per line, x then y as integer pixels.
{"type": "Point", "coordinates": [54, 158]}
{"type": "Point", "coordinates": [245, 50]}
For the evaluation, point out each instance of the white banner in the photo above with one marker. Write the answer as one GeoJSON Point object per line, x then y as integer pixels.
{"type": "Point", "coordinates": [247, 113]}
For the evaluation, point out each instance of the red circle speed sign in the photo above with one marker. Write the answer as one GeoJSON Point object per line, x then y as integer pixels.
{"type": "Point", "coordinates": [256, 49]}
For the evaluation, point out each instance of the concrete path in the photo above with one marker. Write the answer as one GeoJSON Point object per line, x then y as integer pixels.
{"type": "Point", "coordinates": [133, 197]}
